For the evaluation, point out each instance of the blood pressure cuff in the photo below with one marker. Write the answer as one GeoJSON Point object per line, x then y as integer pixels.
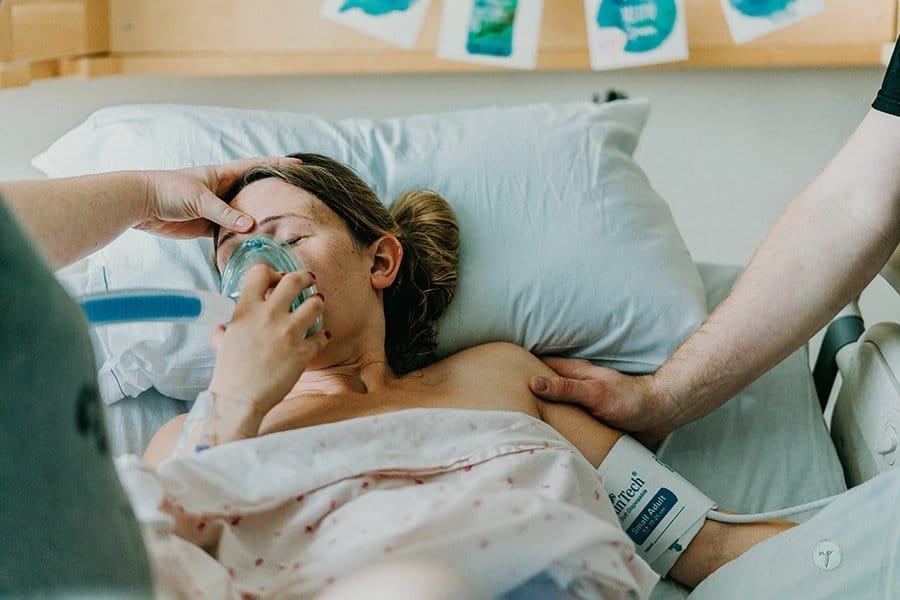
{"type": "Point", "coordinates": [888, 99]}
{"type": "Point", "coordinates": [659, 510]}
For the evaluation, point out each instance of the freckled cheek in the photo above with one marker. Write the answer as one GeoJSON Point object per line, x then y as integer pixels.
{"type": "Point", "coordinates": [311, 262]}
{"type": "Point", "coordinates": [324, 275]}
{"type": "Point", "coordinates": [334, 266]}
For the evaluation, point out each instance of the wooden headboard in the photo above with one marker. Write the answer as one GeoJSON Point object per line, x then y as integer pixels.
{"type": "Point", "coordinates": [51, 38]}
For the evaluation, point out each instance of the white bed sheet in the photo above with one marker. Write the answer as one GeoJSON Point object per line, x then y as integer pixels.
{"type": "Point", "coordinates": [251, 519]}
{"type": "Point", "coordinates": [767, 448]}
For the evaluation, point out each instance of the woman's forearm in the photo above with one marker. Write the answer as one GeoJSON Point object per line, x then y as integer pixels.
{"type": "Point", "coordinates": [70, 218]}
{"type": "Point", "coordinates": [829, 243]}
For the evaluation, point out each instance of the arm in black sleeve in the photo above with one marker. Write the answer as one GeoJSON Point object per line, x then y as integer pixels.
{"type": "Point", "coordinates": [888, 99]}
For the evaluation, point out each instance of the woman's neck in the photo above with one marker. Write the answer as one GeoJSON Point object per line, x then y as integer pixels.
{"type": "Point", "coordinates": [360, 373]}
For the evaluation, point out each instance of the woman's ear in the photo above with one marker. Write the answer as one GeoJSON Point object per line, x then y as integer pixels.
{"type": "Point", "coordinates": [387, 252]}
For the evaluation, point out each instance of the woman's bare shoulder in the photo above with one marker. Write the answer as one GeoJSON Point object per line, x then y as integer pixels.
{"type": "Point", "coordinates": [163, 443]}
{"type": "Point", "coordinates": [506, 356]}
{"type": "Point", "coordinates": [495, 365]}
{"type": "Point", "coordinates": [490, 376]}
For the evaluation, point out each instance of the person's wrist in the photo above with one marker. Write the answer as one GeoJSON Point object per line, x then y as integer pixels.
{"type": "Point", "coordinates": [233, 419]}
{"type": "Point", "coordinates": [661, 406]}
{"type": "Point", "coordinates": [146, 200]}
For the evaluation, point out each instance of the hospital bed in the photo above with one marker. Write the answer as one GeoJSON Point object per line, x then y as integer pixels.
{"type": "Point", "coordinates": [768, 448]}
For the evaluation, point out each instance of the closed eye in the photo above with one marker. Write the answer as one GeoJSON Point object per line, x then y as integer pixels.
{"type": "Point", "coordinates": [295, 240]}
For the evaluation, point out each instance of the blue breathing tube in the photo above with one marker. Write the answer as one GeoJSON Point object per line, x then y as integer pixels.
{"type": "Point", "coordinates": [206, 307]}
{"type": "Point", "coordinates": [127, 306]}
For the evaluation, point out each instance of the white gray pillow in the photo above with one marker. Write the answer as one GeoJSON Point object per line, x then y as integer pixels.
{"type": "Point", "coordinates": [566, 248]}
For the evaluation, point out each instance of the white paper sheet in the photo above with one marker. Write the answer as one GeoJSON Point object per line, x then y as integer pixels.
{"type": "Point", "coordinates": [750, 19]}
{"type": "Point", "coordinates": [395, 21]}
{"type": "Point", "coordinates": [643, 32]}
{"type": "Point", "coordinates": [502, 33]}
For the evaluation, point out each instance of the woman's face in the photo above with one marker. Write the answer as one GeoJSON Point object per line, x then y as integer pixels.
{"type": "Point", "coordinates": [321, 239]}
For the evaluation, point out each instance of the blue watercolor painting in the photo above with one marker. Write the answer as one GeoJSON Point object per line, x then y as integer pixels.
{"type": "Point", "coordinates": [760, 8]}
{"type": "Point", "coordinates": [646, 23]}
{"type": "Point", "coordinates": [378, 7]}
{"type": "Point", "coordinates": [491, 27]}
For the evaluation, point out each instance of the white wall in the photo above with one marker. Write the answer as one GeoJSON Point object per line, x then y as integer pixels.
{"type": "Point", "coordinates": [727, 148]}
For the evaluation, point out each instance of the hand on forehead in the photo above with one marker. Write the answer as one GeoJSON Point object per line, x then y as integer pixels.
{"type": "Point", "coordinates": [279, 209]}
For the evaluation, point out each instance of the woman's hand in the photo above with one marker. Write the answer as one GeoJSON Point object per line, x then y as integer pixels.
{"type": "Point", "coordinates": [263, 351]}
{"type": "Point", "coordinates": [186, 203]}
{"type": "Point", "coordinates": [625, 402]}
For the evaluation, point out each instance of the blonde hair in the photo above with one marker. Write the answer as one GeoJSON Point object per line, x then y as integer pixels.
{"type": "Point", "coordinates": [425, 226]}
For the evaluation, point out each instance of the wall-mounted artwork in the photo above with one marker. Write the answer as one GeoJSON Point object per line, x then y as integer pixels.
{"type": "Point", "coordinates": [750, 19]}
{"type": "Point", "coordinates": [630, 33]}
{"type": "Point", "coordinates": [395, 21]}
{"type": "Point", "coordinates": [494, 32]}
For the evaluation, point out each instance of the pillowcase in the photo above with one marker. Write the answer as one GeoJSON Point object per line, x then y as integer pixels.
{"type": "Point", "coordinates": [565, 247]}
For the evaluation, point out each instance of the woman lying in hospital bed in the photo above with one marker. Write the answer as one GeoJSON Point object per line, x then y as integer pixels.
{"type": "Point", "coordinates": [361, 454]}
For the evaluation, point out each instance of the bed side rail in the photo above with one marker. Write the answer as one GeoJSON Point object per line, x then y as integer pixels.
{"type": "Point", "coordinates": [844, 329]}
{"type": "Point", "coordinates": [865, 424]}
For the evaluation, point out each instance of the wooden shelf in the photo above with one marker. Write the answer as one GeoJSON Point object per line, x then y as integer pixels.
{"type": "Point", "coordinates": [90, 38]}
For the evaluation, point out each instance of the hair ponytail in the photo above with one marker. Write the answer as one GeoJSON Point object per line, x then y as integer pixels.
{"type": "Point", "coordinates": [426, 282]}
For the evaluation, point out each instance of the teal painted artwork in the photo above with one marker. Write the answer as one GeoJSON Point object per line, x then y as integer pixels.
{"type": "Point", "coordinates": [760, 8]}
{"type": "Point", "coordinates": [491, 27]}
{"type": "Point", "coordinates": [378, 7]}
{"type": "Point", "coordinates": [646, 23]}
